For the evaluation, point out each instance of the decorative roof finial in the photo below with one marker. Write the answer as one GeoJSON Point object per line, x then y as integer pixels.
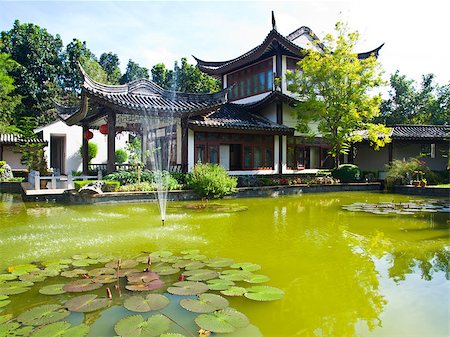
{"type": "Point", "coordinates": [274, 24]}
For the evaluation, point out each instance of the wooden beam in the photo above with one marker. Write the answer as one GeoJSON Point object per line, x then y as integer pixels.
{"type": "Point", "coordinates": [111, 142]}
{"type": "Point", "coordinates": [84, 151]}
{"type": "Point", "coordinates": [184, 145]}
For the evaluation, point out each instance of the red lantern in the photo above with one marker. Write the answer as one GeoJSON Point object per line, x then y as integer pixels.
{"type": "Point", "coordinates": [104, 129]}
{"type": "Point", "coordinates": [88, 134]}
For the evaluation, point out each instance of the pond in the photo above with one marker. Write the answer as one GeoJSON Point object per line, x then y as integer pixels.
{"type": "Point", "coordinates": [343, 273]}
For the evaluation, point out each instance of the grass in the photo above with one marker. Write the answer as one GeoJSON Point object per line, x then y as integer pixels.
{"type": "Point", "coordinates": [441, 186]}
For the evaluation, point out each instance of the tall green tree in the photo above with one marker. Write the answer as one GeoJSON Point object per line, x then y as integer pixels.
{"type": "Point", "coordinates": [37, 78]}
{"type": "Point", "coordinates": [110, 63]}
{"type": "Point", "coordinates": [76, 51]}
{"type": "Point", "coordinates": [409, 103]}
{"type": "Point", "coordinates": [334, 89]}
{"type": "Point", "coordinates": [184, 78]}
{"type": "Point", "coordinates": [8, 101]}
{"type": "Point", "coordinates": [134, 72]}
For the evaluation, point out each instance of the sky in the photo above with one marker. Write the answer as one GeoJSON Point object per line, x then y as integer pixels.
{"type": "Point", "coordinates": [149, 32]}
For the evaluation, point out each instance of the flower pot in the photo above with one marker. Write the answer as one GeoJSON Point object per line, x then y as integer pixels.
{"type": "Point", "coordinates": [416, 183]}
{"type": "Point", "coordinates": [423, 184]}
{"type": "Point", "coordinates": [43, 184]}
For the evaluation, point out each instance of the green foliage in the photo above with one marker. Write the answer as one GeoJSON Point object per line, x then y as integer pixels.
{"type": "Point", "coordinates": [33, 156]}
{"type": "Point", "coordinates": [130, 177]}
{"type": "Point", "coordinates": [402, 172]}
{"type": "Point", "coordinates": [92, 151]}
{"type": "Point", "coordinates": [347, 173]}
{"type": "Point", "coordinates": [130, 180]}
{"type": "Point", "coordinates": [334, 89]}
{"type": "Point", "coordinates": [110, 186]}
{"type": "Point", "coordinates": [211, 181]}
{"type": "Point", "coordinates": [110, 63]}
{"type": "Point", "coordinates": [143, 186]}
{"type": "Point", "coordinates": [409, 104]}
{"type": "Point", "coordinates": [8, 100]}
{"type": "Point", "coordinates": [186, 78]}
{"type": "Point", "coordinates": [94, 69]}
{"type": "Point", "coordinates": [134, 72]}
{"type": "Point", "coordinates": [121, 156]}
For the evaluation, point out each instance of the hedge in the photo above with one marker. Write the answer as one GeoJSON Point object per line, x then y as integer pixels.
{"type": "Point", "coordinates": [110, 186]}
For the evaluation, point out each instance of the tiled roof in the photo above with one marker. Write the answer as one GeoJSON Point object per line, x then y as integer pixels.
{"type": "Point", "coordinates": [8, 138]}
{"type": "Point", "coordinates": [430, 132]}
{"type": "Point", "coordinates": [270, 43]}
{"type": "Point", "coordinates": [237, 117]}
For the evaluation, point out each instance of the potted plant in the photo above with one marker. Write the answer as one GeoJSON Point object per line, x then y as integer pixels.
{"type": "Point", "coordinates": [423, 183]}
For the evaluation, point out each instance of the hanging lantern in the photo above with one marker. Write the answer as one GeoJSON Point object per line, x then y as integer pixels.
{"type": "Point", "coordinates": [88, 134]}
{"type": "Point", "coordinates": [104, 129]}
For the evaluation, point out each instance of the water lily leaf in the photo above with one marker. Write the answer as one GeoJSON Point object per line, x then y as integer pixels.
{"type": "Point", "coordinates": [105, 279]}
{"type": "Point", "coordinates": [172, 335]}
{"type": "Point", "coordinates": [4, 303]}
{"type": "Point", "coordinates": [170, 259]}
{"type": "Point", "coordinates": [166, 270]}
{"type": "Point", "coordinates": [126, 272]}
{"type": "Point", "coordinates": [74, 273]}
{"type": "Point", "coordinates": [181, 264]}
{"type": "Point", "coordinates": [82, 285]}
{"type": "Point", "coordinates": [44, 314]}
{"type": "Point", "coordinates": [83, 262]}
{"type": "Point", "coordinates": [13, 329]}
{"type": "Point", "coordinates": [147, 303]}
{"type": "Point", "coordinates": [235, 275]}
{"type": "Point", "coordinates": [143, 277]}
{"type": "Point", "coordinates": [200, 274]}
{"type": "Point", "coordinates": [144, 259]}
{"type": "Point", "coordinates": [136, 326]}
{"type": "Point", "coordinates": [32, 277]}
{"type": "Point", "coordinates": [79, 257]}
{"type": "Point", "coordinates": [61, 329]}
{"type": "Point", "coordinates": [188, 288]}
{"type": "Point", "coordinates": [219, 262]}
{"type": "Point", "coordinates": [124, 264]}
{"type": "Point", "coordinates": [194, 265]}
{"type": "Point", "coordinates": [5, 318]}
{"type": "Point", "coordinates": [49, 272]}
{"type": "Point", "coordinates": [101, 271]}
{"type": "Point", "coordinates": [57, 262]}
{"type": "Point", "coordinates": [86, 303]}
{"type": "Point", "coordinates": [223, 321]}
{"type": "Point", "coordinates": [205, 303]}
{"type": "Point", "coordinates": [257, 278]}
{"type": "Point", "coordinates": [161, 253]}
{"type": "Point", "coordinates": [57, 267]}
{"type": "Point", "coordinates": [155, 284]}
{"type": "Point", "coordinates": [54, 289]}
{"type": "Point", "coordinates": [22, 269]}
{"type": "Point", "coordinates": [14, 287]}
{"type": "Point", "coordinates": [7, 277]}
{"type": "Point", "coordinates": [94, 255]}
{"type": "Point", "coordinates": [234, 291]}
{"type": "Point", "coordinates": [246, 266]}
{"type": "Point", "coordinates": [219, 284]}
{"type": "Point", "coordinates": [264, 293]}
{"type": "Point", "coordinates": [190, 252]}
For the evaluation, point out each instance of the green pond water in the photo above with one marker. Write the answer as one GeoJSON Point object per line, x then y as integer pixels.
{"type": "Point", "coordinates": [343, 273]}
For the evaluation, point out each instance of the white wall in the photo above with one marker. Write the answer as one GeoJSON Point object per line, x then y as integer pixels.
{"type": "Point", "coordinates": [224, 156]}
{"type": "Point", "coordinates": [191, 148]}
{"type": "Point", "coordinates": [12, 158]}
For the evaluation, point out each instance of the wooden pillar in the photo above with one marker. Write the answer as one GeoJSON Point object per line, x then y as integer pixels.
{"type": "Point", "coordinates": [84, 151]}
{"type": "Point", "coordinates": [184, 145]}
{"type": "Point", "coordinates": [280, 143]}
{"type": "Point", "coordinates": [390, 150]}
{"type": "Point", "coordinates": [111, 142]}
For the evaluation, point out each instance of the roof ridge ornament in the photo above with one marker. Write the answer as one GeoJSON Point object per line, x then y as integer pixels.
{"type": "Point", "coordinates": [274, 23]}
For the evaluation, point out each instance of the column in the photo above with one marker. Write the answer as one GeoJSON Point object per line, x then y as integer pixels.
{"type": "Point", "coordinates": [184, 145]}
{"type": "Point", "coordinates": [84, 151]}
{"type": "Point", "coordinates": [111, 142]}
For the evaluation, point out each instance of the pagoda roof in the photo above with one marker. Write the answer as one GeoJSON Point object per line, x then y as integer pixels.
{"type": "Point", "coordinates": [420, 132]}
{"type": "Point", "coordinates": [234, 117]}
{"type": "Point", "coordinates": [12, 139]}
{"type": "Point", "coordinates": [268, 47]}
{"type": "Point", "coordinates": [137, 97]}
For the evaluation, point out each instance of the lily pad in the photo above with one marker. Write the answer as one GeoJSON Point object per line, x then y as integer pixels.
{"type": "Point", "coordinates": [264, 293]}
{"type": "Point", "coordinates": [61, 329]}
{"type": "Point", "coordinates": [205, 303]}
{"type": "Point", "coordinates": [155, 284]}
{"type": "Point", "coordinates": [104, 279]}
{"type": "Point", "coordinates": [5, 318]}
{"type": "Point", "coordinates": [235, 275]}
{"type": "Point", "coordinates": [219, 284]}
{"type": "Point", "coordinates": [223, 321]}
{"type": "Point", "coordinates": [35, 276]}
{"type": "Point", "coordinates": [161, 253]}
{"type": "Point", "coordinates": [194, 265]}
{"type": "Point", "coordinates": [49, 272]}
{"type": "Point", "coordinates": [247, 266]}
{"type": "Point", "coordinates": [124, 264]}
{"type": "Point", "coordinates": [126, 272]}
{"type": "Point", "coordinates": [14, 287]}
{"type": "Point", "coordinates": [81, 285]}
{"type": "Point", "coordinates": [13, 329]}
{"type": "Point", "coordinates": [22, 269]}
{"type": "Point", "coordinates": [143, 277]}
{"type": "Point", "coordinates": [234, 291]}
{"type": "Point", "coordinates": [86, 303]}
{"type": "Point", "coordinates": [219, 262]}
{"type": "Point", "coordinates": [147, 303]}
{"type": "Point", "coordinates": [200, 274]}
{"type": "Point", "coordinates": [4, 301]}
{"type": "Point", "coordinates": [79, 257]}
{"type": "Point", "coordinates": [187, 288]}
{"type": "Point", "coordinates": [102, 271]}
{"type": "Point", "coordinates": [171, 259]}
{"type": "Point", "coordinates": [54, 289]}
{"type": "Point", "coordinates": [136, 326]}
{"type": "Point", "coordinates": [7, 277]}
{"type": "Point", "coordinates": [165, 270]}
{"type": "Point", "coordinates": [172, 335]}
{"type": "Point", "coordinates": [256, 278]}
{"type": "Point", "coordinates": [44, 314]}
{"type": "Point", "coordinates": [190, 252]}
{"type": "Point", "coordinates": [57, 261]}
{"type": "Point", "coordinates": [83, 262]}
{"type": "Point", "coordinates": [73, 273]}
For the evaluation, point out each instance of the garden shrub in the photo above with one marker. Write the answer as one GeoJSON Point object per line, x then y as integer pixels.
{"type": "Point", "coordinates": [121, 156]}
{"type": "Point", "coordinates": [110, 186]}
{"type": "Point", "coordinates": [92, 151]}
{"type": "Point", "coordinates": [347, 173]}
{"type": "Point", "coordinates": [130, 177]}
{"type": "Point", "coordinates": [143, 187]}
{"type": "Point", "coordinates": [211, 181]}
{"type": "Point", "coordinates": [401, 172]}
{"type": "Point", "coordinates": [167, 180]}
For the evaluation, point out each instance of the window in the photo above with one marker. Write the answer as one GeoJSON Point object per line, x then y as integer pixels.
{"type": "Point", "coordinates": [252, 80]}
{"type": "Point", "coordinates": [213, 154]}
{"type": "Point", "coordinates": [248, 157]}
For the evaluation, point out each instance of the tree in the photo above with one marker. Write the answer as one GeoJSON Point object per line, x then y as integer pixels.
{"type": "Point", "coordinates": [408, 104]}
{"type": "Point", "coordinates": [76, 51]}
{"type": "Point", "coordinates": [334, 91]}
{"type": "Point", "coordinates": [186, 78]}
{"type": "Point", "coordinates": [110, 63]}
{"type": "Point", "coordinates": [134, 72]}
{"type": "Point", "coordinates": [8, 101]}
{"type": "Point", "coordinates": [39, 55]}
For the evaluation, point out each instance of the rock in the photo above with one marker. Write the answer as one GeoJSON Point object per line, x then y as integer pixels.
{"type": "Point", "coordinates": [6, 172]}
{"type": "Point", "coordinates": [93, 188]}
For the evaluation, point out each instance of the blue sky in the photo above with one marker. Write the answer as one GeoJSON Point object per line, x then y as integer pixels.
{"type": "Point", "coordinates": [150, 32]}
